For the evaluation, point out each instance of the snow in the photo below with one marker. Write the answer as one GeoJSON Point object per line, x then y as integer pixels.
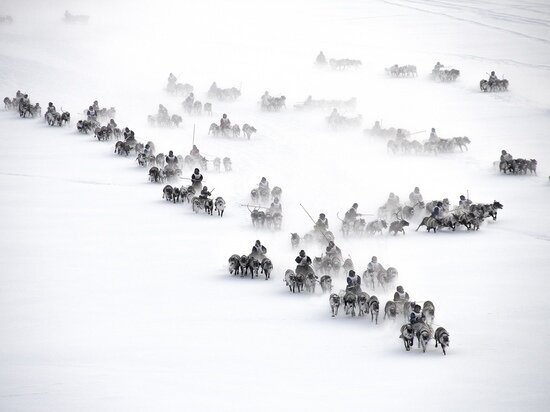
{"type": "Point", "coordinates": [113, 299]}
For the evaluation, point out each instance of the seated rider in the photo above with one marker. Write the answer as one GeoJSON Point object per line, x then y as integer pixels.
{"type": "Point", "coordinates": [263, 186]}
{"type": "Point", "coordinates": [400, 135]}
{"type": "Point", "coordinates": [416, 315]}
{"type": "Point", "coordinates": [147, 151]}
{"type": "Point", "coordinates": [205, 193]}
{"type": "Point", "coordinates": [505, 156]}
{"type": "Point", "coordinates": [321, 59]}
{"type": "Point", "coordinates": [51, 108]}
{"type": "Point", "coordinates": [334, 116]}
{"type": "Point", "coordinates": [437, 67]}
{"type": "Point", "coordinates": [265, 99]}
{"type": "Point", "coordinates": [437, 211]}
{"type": "Point", "coordinates": [332, 250]}
{"type": "Point", "coordinates": [393, 202]}
{"type": "Point", "coordinates": [463, 202]}
{"type": "Point", "coordinates": [374, 267]}
{"type": "Point", "coordinates": [171, 160]}
{"type": "Point", "coordinates": [196, 178]}
{"type": "Point", "coordinates": [195, 151]}
{"type": "Point", "coordinates": [434, 138]}
{"type": "Point", "coordinates": [415, 197]}
{"type": "Point", "coordinates": [276, 207]}
{"type": "Point", "coordinates": [376, 126]}
{"type": "Point", "coordinates": [163, 111]}
{"type": "Point", "coordinates": [354, 282]}
{"type": "Point", "coordinates": [91, 113]}
{"type": "Point", "coordinates": [492, 78]}
{"type": "Point", "coordinates": [225, 123]}
{"type": "Point", "coordinates": [172, 79]}
{"type": "Point", "coordinates": [322, 223]}
{"type": "Point", "coordinates": [24, 102]}
{"type": "Point", "coordinates": [112, 124]}
{"type": "Point", "coordinates": [302, 259]}
{"type": "Point", "coordinates": [96, 106]}
{"type": "Point", "coordinates": [400, 295]}
{"type": "Point", "coordinates": [258, 249]}
{"type": "Point", "coordinates": [351, 215]}
{"type": "Point", "coordinates": [189, 100]}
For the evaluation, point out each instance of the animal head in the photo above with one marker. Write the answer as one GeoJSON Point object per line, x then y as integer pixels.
{"type": "Point", "coordinates": [497, 205]}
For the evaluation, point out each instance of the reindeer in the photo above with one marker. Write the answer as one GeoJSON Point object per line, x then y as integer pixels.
{"type": "Point", "coordinates": [428, 310]}
{"type": "Point", "coordinates": [390, 310]}
{"type": "Point", "coordinates": [350, 301]}
{"type": "Point", "coordinates": [376, 226]}
{"type": "Point", "coordinates": [362, 299]}
{"type": "Point", "coordinates": [219, 206]}
{"type": "Point", "coordinates": [334, 301]}
{"type": "Point", "coordinates": [267, 267]}
{"type": "Point", "coordinates": [373, 308]}
{"type": "Point", "coordinates": [248, 130]}
{"type": "Point", "coordinates": [234, 265]}
{"type": "Point", "coordinates": [441, 336]}
{"type": "Point", "coordinates": [398, 225]}
{"type": "Point", "coordinates": [407, 334]}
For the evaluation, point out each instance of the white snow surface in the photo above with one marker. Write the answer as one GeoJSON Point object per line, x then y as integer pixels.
{"type": "Point", "coordinates": [113, 299]}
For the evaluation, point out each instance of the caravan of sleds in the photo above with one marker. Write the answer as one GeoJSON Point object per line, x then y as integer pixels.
{"type": "Point", "coordinates": [420, 318]}
{"type": "Point", "coordinates": [226, 129]}
{"type": "Point", "coordinates": [252, 264]}
{"type": "Point", "coordinates": [195, 107]}
{"type": "Point", "coordinates": [337, 121]}
{"type": "Point", "coordinates": [337, 64]}
{"type": "Point", "coordinates": [178, 89]}
{"type": "Point", "coordinates": [199, 203]}
{"type": "Point", "coordinates": [195, 194]}
{"type": "Point", "coordinates": [401, 71]}
{"type": "Point", "coordinates": [493, 84]}
{"type": "Point", "coordinates": [261, 216]}
{"type": "Point", "coordinates": [435, 215]}
{"type": "Point", "coordinates": [511, 166]}
{"type": "Point", "coordinates": [224, 95]}
{"type": "Point", "coordinates": [399, 141]}
{"type": "Point", "coordinates": [439, 214]}
{"type": "Point", "coordinates": [270, 103]}
{"type": "Point", "coordinates": [444, 75]}
{"type": "Point", "coordinates": [311, 103]}
{"type": "Point", "coordinates": [356, 301]}
{"type": "Point", "coordinates": [75, 18]}
{"type": "Point", "coordinates": [6, 19]}
{"type": "Point", "coordinates": [22, 105]}
{"type": "Point", "coordinates": [163, 118]}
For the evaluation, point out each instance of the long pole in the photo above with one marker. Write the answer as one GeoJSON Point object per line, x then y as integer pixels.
{"type": "Point", "coordinates": [193, 134]}
{"type": "Point", "coordinates": [326, 238]}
